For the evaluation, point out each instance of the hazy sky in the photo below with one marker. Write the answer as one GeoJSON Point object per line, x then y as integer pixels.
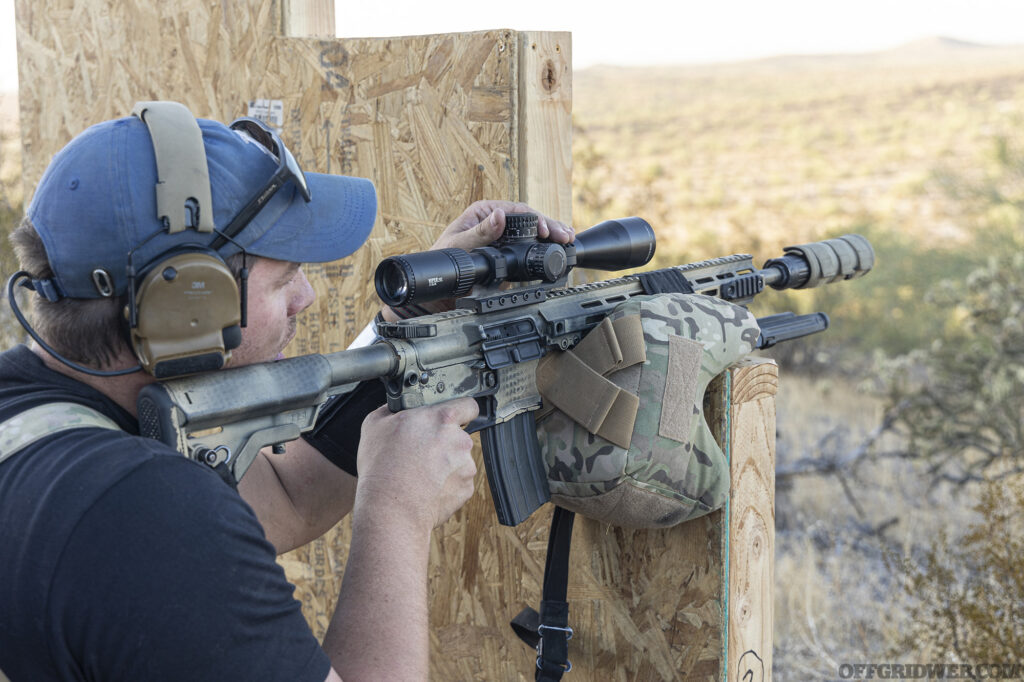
{"type": "Point", "coordinates": [667, 31]}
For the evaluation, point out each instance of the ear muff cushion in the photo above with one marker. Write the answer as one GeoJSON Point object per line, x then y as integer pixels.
{"type": "Point", "coordinates": [185, 303]}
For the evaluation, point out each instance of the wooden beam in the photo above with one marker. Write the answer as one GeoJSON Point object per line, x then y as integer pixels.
{"type": "Point", "coordinates": [545, 122]}
{"type": "Point", "coordinates": [308, 18]}
{"type": "Point", "coordinates": [752, 520]}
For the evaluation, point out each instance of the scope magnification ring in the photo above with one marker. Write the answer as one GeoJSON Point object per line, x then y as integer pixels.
{"type": "Point", "coordinates": [465, 272]}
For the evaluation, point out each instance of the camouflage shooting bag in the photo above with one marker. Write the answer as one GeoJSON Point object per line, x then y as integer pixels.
{"type": "Point", "coordinates": [623, 431]}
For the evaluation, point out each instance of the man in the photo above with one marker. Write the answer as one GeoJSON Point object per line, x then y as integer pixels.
{"type": "Point", "coordinates": [121, 558]}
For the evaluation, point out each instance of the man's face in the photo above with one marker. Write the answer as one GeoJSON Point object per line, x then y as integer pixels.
{"type": "Point", "coordinates": [278, 291]}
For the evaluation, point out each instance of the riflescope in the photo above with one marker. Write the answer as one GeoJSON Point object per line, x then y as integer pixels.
{"type": "Point", "coordinates": [518, 256]}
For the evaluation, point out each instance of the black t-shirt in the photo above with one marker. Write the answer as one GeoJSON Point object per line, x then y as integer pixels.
{"type": "Point", "coordinates": [122, 560]}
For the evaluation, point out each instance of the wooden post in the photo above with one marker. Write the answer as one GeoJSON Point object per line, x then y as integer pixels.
{"type": "Point", "coordinates": [437, 122]}
{"type": "Point", "coordinates": [545, 123]}
{"type": "Point", "coordinates": [751, 553]}
{"type": "Point", "coordinates": [307, 18]}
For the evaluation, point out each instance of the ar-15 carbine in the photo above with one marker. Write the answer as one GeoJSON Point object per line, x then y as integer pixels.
{"type": "Point", "coordinates": [487, 348]}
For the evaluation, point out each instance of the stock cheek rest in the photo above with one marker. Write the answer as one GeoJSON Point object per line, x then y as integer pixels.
{"type": "Point", "coordinates": [623, 431]}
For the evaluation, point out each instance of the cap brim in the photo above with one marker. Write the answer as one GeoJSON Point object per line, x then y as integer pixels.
{"type": "Point", "coordinates": [332, 225]}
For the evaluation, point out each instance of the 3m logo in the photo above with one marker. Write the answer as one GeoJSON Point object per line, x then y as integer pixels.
{"type": "Point", "coordinates": [198, 285]}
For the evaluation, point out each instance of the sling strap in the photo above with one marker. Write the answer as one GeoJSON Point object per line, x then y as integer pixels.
{"type": "Point", "coordinates": [36, 423]}
{"type": "Point", "coordinates": [548, 631]}
{"type": "Point", "coordinates": [574, 382]}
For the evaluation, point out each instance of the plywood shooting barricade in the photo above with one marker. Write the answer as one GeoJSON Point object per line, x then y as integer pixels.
{"type": "Point", "coordinates": [436, 122]}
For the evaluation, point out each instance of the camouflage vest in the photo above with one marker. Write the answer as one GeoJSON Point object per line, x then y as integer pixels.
{"type": "Point", "coordinates": [27, 427]}
{"type": "Point", "coordinates": [626, 441]}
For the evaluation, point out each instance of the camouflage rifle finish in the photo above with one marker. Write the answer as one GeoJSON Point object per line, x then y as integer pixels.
{"type": "Point", "coordinates": [488, 349]}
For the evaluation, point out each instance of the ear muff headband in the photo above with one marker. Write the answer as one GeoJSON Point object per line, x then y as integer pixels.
{"type": "Point", "coordinates": [183, 180]}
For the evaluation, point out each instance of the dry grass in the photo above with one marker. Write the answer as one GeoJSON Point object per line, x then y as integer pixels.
{"type": "Point", "coordinates": [838, 581]}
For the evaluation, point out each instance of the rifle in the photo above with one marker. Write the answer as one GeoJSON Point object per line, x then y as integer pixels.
{"type": "Point", "coordinates": [487, 347]}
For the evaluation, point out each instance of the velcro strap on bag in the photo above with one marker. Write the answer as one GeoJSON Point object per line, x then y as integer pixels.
{"type": "Point", "coordinates": [35, 423]}
{"type": "Point", "coordinates": [612, 346]}
{"type": "Point", "coordinates": [574, 381]}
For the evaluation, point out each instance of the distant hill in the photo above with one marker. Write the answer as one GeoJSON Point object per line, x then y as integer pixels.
{"type": "Point", "coordinates": [942, 48]}
{"type": "Point", "coordinates": [943, 43]}
{"type": "Point", "coordinates": [935, 50]}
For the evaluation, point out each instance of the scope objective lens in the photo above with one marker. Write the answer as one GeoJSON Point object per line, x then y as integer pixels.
{"type": "Point", "coordinates": [392, 282]}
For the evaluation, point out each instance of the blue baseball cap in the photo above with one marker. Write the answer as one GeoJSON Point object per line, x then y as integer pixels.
{"type": "Point", "coordinates": [96, 203]}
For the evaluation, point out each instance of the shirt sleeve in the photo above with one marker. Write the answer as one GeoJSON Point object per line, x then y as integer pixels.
{"type": "Point", "coordinates": [169, 576]}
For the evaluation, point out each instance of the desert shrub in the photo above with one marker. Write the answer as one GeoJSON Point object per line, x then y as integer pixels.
{"type": "Point", "coordinates": [967, 595]}
{"type": "Point", "coordinates": [960, 399]}
{"type": "Point", "coordinates": [959, 402]}
{"type": "Point", "coordinates": [10, 214]}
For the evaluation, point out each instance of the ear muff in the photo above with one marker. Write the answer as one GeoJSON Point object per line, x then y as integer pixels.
{"type": "Point", "coordinates": [186, 310]}
{"type": "Point", "coordinates": [188, 315]}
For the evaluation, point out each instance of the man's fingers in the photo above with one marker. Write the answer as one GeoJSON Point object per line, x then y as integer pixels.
{"type": "Point", "coordinates": [481, 234]}
{"type": "Point", "coordinates": [556, 231]}
{"type": "Point", "coordinates": [461, 411]}
{"type": "Point", "coordinates": [467, 235]}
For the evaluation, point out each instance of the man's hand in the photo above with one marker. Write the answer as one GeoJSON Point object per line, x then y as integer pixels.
{"type": "Point", "coordinates": [484, 221]}
{"type": "Point", "coordinates": [479, 225]}
{"type": "Point", "coordinates": [415, 470]}
{"type": "Point", "coordinates": [417, 462]}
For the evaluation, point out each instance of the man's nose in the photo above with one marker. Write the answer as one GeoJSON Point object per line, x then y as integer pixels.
{"type": "Point", "coordinates": [303, 296]}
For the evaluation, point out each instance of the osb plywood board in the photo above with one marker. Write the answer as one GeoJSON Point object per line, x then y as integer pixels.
{"type": "Point", "coordinates": [429, 119]}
